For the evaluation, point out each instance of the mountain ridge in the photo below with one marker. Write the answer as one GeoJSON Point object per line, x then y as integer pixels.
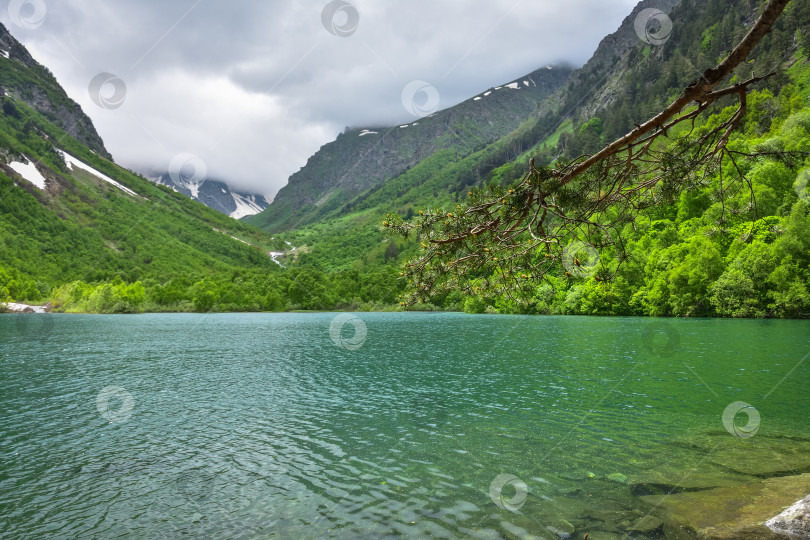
{"type": "Point", "coordinates": [35, 85]}
{"type": "Point", "coordinates": [363, 158]}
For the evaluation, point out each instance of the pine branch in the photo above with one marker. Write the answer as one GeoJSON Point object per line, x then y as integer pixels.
{"type": "Point", "coordinates": [560, 219]}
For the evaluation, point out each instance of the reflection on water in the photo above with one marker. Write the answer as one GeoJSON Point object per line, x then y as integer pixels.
{"type": "Point", "coordinates": [445, 425]}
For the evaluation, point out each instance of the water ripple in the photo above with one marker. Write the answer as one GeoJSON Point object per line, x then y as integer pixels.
{"type": "Point", "coordinates": [258, 426]}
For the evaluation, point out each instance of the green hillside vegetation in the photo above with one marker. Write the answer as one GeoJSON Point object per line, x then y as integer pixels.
{"type": "Point", "coordinates": [87, 246]}
{"type": "Point", "coordinates": [683, 258]}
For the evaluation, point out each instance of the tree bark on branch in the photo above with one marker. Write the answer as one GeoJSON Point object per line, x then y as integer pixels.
{"type": "Point", "coordinates": [697, 91]}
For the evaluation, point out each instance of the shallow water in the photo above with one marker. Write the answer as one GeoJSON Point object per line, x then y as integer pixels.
{"type": "Point", "coordinates": [399, 424]}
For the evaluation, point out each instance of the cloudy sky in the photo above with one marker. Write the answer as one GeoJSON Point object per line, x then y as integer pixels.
{"type": "Point", "coordinates": [255, 87]}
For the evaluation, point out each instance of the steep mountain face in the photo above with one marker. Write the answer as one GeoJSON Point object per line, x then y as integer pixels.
{"type": "Point", "coordinates": [215, 194]}
{"type": "Point", "coordinates": [627, 80]}
{"type": "Point", "coordinates": [360, 159]}
{"type": "Point", "coordinates": [25, 79]}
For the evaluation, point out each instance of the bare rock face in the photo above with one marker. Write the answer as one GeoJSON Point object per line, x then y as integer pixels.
{"type": "Point", "coordinates": [33, 84]}
{"type": "Point", "coordinates": [793, 522]}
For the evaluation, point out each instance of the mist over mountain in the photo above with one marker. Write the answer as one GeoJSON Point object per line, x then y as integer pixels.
{"type": "Point", "coordinates": [214, 194]}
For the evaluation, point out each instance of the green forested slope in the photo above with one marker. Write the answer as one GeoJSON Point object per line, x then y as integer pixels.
{"type": "Point", "coordinates": [81, 228]}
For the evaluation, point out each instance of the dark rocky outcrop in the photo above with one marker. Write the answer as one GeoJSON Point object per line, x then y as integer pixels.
{"type": "Point", "coordinates": [23, 78]}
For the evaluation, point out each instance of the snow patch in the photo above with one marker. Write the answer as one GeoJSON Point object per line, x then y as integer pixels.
{"type": "Point", "coordinates": [476, 98]}
{"type": "Point", "coordinates": [406, 125]}
{"type": "Point", "coordinates": [222, 190]}
{"type": "Point", "coordinates": [193, 186]}
{"type": "Point", "coordinates": [29, 171]}
{"type": "Point", "coordinates": [4, 54]}
{"type": "Point", "coordinates": [367, 132]}
{"type": "Point", "coordinates": [513, 86]}
{"type": "Point", "coordinates": [487, 93]}
{"type": "Point", "coordinates": [245, 206]}
{"type": "Point", "coordinates": [275, 255]}
{"type": "Point", "coordinates": [73, 162]}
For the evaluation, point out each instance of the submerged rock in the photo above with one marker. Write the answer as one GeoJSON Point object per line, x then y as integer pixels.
{"type": "Point", "coordinates": [794, 522]}
{"type": "Point", "coordinates": [646, 525]}
{"type": "Point", "coordinates": [761, 455]}
{"type": "Point", "coordinates": [562, 528]}
{"type": "Point", "coordinates": [730, 513]}
{"type": "Point", "coordinates": [617, 477]}
{"type": "Point", "coordinates": [671, 479]}
{"type": "Point", "coordinates": [605, 535]}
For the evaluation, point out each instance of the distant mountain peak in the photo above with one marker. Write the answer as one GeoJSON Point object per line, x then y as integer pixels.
{"type": "Point", "coordinates": [215, 194]}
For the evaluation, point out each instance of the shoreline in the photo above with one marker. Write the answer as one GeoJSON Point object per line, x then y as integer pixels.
{"type": "Point", "coordinates": [18, 308]}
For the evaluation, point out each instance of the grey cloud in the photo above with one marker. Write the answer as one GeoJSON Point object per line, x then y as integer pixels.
{"type": "Point", "coordinates": [255, 87]}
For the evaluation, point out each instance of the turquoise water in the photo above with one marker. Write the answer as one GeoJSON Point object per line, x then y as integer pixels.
{"type": "Point", "coordinates": [298, 426]}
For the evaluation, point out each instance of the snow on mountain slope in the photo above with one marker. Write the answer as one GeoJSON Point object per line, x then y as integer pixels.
{"type": "Point", "coordinates": [215, 194]}
{"type": "Point", "coordinates": [29, 171]}
{"type": "Point", "coordinates": [245, 206]}
{"type": "Point", "coordinates": [73, 162]}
